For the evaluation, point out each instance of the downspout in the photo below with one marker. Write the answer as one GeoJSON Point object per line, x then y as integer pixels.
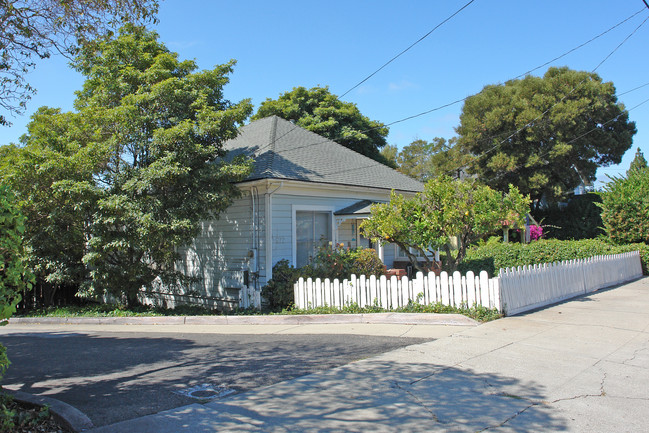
{"type": "Point", "coordinates": [268, 201]}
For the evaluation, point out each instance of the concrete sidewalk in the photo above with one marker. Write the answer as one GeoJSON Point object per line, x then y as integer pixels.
{"type": "Point", "coordinates": [579, 366]}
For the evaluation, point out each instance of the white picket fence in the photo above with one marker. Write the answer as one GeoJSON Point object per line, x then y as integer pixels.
{"type": "Point", "coordinates": [455, 290]}
{"type": "Point", "coordinates": [514, 290]}
{"type": "Point", "coordinates": [529, 287]}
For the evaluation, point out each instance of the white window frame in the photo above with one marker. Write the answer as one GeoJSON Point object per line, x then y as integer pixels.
{"type": "Point", "coordinates": [299, 207]}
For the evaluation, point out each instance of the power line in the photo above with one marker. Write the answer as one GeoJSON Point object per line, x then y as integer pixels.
{"type": "Point", "coordinates": [512, 133]}
{"type": "Point", "coordinates": [404, 51]}
{"type": "Point", "coordinates": [530, 123]}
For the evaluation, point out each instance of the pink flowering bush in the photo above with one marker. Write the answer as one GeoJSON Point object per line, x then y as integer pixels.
{"type": "Point", "coordinates": [536, 233]}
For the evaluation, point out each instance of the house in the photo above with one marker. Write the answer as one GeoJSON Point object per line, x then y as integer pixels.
{"type": "Point", "coordinates": [304, 189]}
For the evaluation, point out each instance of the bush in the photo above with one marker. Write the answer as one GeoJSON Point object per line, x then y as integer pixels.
{"type": "Point", "coordinates": [492, 257]}
{"type": "Point", "coordinates": [625, 206]}
{"type": "Point", "coordinates": [278, 292]}
{"type": "Point", "coordinates": [329, 263]}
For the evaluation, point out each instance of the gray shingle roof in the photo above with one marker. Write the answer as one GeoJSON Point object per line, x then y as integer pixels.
{"type": "Point", "coordinates": [282, 150]}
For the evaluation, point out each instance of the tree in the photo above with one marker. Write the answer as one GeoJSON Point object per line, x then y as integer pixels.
{"type": "Point", "coordinates": [390, 153]}
{"type": "Point", "coordinates": [447, 208]}
{"type": "Point", "coordinates": [37, 28]}
{"type": "Point", "coordinates": [52, 173]}
{"type": "Point", "coordinates": [320, 111]}
{"type": "Point", "coordinates": [150, 135]}
{"type": "Point", "coordinates": [544, 135]}
{"type": "Point", "coordinates": [638, 163]}
{"type": "Point", "coordinates": [625, 206]}
{"type": "Point", "coordinates": [14, 276]}
{"type": "Point", "coordinates": [425, 160]}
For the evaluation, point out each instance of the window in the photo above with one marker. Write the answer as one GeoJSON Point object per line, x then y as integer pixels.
{"type": "Point", "coordinates": [312, 229]}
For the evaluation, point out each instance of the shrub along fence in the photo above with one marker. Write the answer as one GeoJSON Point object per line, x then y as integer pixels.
{"type": "Point", "coordinates": [514, 291]}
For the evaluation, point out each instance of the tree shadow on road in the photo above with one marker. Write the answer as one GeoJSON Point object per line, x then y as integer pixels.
{"type": "Point", "coordinates": [120, 376]}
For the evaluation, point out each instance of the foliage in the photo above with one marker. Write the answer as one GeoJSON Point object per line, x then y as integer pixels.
{"type": "Point", "coordinates": [113, 310]}
{"type": "Point", "coordinates": [15, 417]}
{"type": "Point", "coordinates": [337, 262]}
{"type": "Point", "coordinates": [147, 137]}
{"type": "Point", "coordinates": [320, 111]}
{"type": "Point", "coordinates": [52, 173]}
{"type": "Point", "coordinates": [477, 312]}
{"type": "Point", "coordinates": [625, 207]}
{"type": "Point", "coordinates": [545, 135]}
{"type": "Point", "coordinates": [579, 219]}
{"type": "Point", "coordinates": [494, 256]}
{"type": "Point", "coordinates": [340, 262]}
{"type": "Point", "coordinates": [278, 292]}
{"type": "Point", "coordinates": [36, 28]}
{"type": "Point", "coordinates": [446, 209]}
{"type": "Point", "coordinates": [639, 162]}
{"type": "Point", "coordinates": [14, 275]}
{"type": "Point", "coordinates": [426, 160]}
{"type": "Point", "coordinates": [390, 153]}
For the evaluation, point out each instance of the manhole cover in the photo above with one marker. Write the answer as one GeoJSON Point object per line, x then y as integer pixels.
{"type": "Point", "coordinates": [206, 391]}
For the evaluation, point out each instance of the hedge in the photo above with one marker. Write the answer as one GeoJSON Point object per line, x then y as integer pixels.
{"type": "Point", "coordinates": [493, 257]}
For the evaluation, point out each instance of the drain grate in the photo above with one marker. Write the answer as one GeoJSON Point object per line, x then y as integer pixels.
{"type": "Point", "coordinates": [206, 391]}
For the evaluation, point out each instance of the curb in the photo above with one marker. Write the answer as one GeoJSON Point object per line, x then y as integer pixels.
{"type": "Point", "coordinates": [70, 417]}
{"type": "Point", "coordinates": [307, 319]}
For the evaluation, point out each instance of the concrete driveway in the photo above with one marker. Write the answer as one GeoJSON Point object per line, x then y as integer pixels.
{"type": "Point", "coordinates": [581, 366]}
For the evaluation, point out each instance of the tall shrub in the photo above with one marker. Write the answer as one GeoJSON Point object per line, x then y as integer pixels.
{"type": "Point", "coordinates": [625, 207]}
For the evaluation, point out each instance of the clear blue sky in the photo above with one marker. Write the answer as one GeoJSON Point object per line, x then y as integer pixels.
{"type": "Point", "coordinates": [283, 44]}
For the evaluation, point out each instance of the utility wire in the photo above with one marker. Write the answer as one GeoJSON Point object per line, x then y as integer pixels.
{"type": "Point", "coordinates": [541, 155]}
{"type": "Point", "coordinates": [404, 51]}
{"type": "Point", "coordinates": [465, 98]}
{"type": "Point", "coordinates": [531, 123]}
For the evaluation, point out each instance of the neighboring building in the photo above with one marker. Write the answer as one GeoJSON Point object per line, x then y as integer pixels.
{"type": "Point", "coordinates": [304, 190]}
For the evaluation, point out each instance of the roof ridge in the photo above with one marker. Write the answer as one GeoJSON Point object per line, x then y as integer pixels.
{"type": "Point", "coordinates": [272, 135]}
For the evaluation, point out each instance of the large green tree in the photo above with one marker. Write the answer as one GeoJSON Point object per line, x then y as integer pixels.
{"type": "Point", "coordinates": [545, 135]}
{"type": "Point", "coordinates": [322, 112]}
{"type": "Point", "coordinates": [151, 129]}
{"type": "Point", "coordinates": [447, 208]}
{"type": "Point", "coordinates": [33, 29]}
{"type": "Point", "coordinates": [52, 172]}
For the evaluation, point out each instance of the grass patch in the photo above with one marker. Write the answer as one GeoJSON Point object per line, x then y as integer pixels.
{"type": "Point", "coordinates": [478, 313]}
{"type": "Point", "coordinates": [111, 310]}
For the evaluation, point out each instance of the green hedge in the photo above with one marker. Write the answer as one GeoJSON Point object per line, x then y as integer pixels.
{"type": "Point", "coordinates": [493, 257]}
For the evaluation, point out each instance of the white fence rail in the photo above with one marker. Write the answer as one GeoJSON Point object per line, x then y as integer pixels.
{"type": "Point", "coordinates": [529, 287]}
{"type": "Point", "coordinates": [515, 290]}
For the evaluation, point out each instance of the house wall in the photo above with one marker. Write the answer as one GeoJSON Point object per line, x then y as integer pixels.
{"type": "Point", "coordinates": [233, 249]}
{"type": "Point", "coordinates": [227, 252]}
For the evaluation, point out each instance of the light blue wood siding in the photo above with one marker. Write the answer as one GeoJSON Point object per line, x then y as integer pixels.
{"type": "Point", "coordinates": [220, 254]}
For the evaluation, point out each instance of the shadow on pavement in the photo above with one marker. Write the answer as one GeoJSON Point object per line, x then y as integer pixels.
{"type": "Point", "coordinates": [119, 376]}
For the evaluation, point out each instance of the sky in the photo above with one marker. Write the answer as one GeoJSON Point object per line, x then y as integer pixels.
{"type": "Point", "coordinates": [283, 44]}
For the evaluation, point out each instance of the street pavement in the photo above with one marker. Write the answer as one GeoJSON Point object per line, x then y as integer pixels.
{"type": "Point", "coordinates": [579, 366]}
{"type": "Point", "coordinates": [114, 372]}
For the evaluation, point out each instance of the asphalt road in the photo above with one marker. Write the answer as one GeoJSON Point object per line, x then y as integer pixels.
{"type": "Point", "coordinates": [122, 375]}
